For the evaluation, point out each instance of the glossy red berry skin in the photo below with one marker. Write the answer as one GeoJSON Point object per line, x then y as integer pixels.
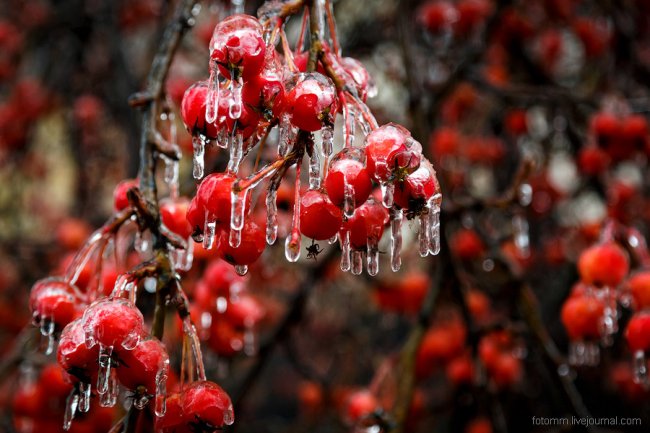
{"type": "Point", "coordinates": [142, 365]}
{"type": "Point", "coordinates": [265, 93]}
{"type": "Point", "coordinates": [193, 109]}
{"type": "Point", "coordinates": [360, 78]}
{"type": "Point", "coordinates": [311, 101]}
{"type": "Point", "coordinates": [581, 316]}
{"type": "Point", "coordinates": [404, 294]}
{"type": "Point", "coordinates": [320, 219]}
{"type": "Point", "coordinates": [604, 264]}
{"type": "Point", "coordinates": [368, 222]}
{"type": "Point", "coordinates": [120, 200]}
{"type": "Point", "coordinates": [413, 193]}
{"type": "Point", "coordinates": [224, 339]}
{"type": "Point", "coordinates": [55, 381]}
{"type": "Point", "coordinates": [74, 356]}
{"type": "Point", "coordinates": [174, 419]}
{"type": "Point", "coordinates": [237, 45]}
{"type": "Point", "coordinates": [360, 404]}
{"type": "Point", "coordinates": [245, 312]}
{"type": "Point", "coordinates": [348, 168]}
{"type": "Point", "coordinates": [467, 244]}
{"type": "Point", "coordinates": [593, 160]}
{"type": "Point", "coordinates": [174, 215]}
{"type": "Point", "coordinates": [208, 404]}
{"type": "Point", "coordinates": [639, 287]}
{"type": "Point", "coordinates": [113, 322]}
{"type": "Point", "coordinates": [212, 198]}
{"type": "Point", "coordinates": [637, 332]}
{"type": "Point", "coordinates": [391, 153]}
{"type": "Point", "coordinates": [253, 243]}
{"type": "Point", "coordinates": [54, 300]}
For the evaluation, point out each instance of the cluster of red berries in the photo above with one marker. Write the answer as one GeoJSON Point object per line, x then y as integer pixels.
{"type": "Point", "coordinates": [250, 91]}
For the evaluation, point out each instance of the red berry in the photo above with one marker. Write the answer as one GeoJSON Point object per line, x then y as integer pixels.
{"type": "Point", "coordinates": [224, 339]}
{"type": "Point", "coordinates": [360, 404]}
{"type": "Point", "coordinates": [113, 323]}
{"type": "Point", "coordinates": [516, 122]}
{"type": "Point", "coordinates": [405, 294]}
{"type": "Point", "coordinates": [311, 101]}
{"type": "Point", "coordinates": [367, 224]}
{"type": "Point", "coordinates": [74, 355]}
{"type": "Point", "coordinates": [437, 16]}
{"type": "Point", "coordinates": [143, 365]}
{"type": "Point", "coordinates": [245, 312]}
{"type": "Point", "coordinates": [471, 13]}
{"type": "Point", "coordinates": [581, 316]}
{"type": "Point", "coordinates": [444, 142]}
{"type": "Point", "coordinates": [592, 160]}
{"type": "Point", "coordinates": [207, 405]}
{"type": "Point", "coordinates": [603, 265]}
{"type": "Point", "coordinates": [55, 381]}
{"type": "Point", "coordinates": [120, 199]}
{"type": "Point", "coordinates": [174, 419]}
{"type": "Point", "coordinates": [253, 242]}
{"type": "Point", "coordinates": [414, 192]}
{"type": "Point", "coordinates": [347, 168]}
{"type": "Point", "coordinates": [320, 219]}
{"type": "Point", "coordinates": [639, 286]}
{"type": "Point", "coordinates": [54, 300]}
{"type": "Point", "coordinates": [506, 370]}
{"type": "Point", "coordinates": [479, 425]}
{"type": "Point", "coordinates": [467, 244]}
{"type": "Point", "coordinates": [193, 109]}
{"type": "Point", "coordinates": [212, 199]}
{"type": "Point", "coordinates": [361, 79]}
{"type": "Point", "coordinates": [237, 46]}
{"type": "Point", "coordinates": [460, 370]}
{"type": "Point", "coordinates": [637, 333]}
{"type": "Point", "coordinates": [392, 153]}
{"type": "Point", "coordinates": [174, 215]}
{"type": "Point", "coordinates": [265, 93]}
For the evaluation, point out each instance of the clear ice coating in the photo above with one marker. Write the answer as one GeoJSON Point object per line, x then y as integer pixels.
{"type": "Point", "coordinates": [348, 199]}
{"type": "Point", "coordinates": [229, 415]}
{"type": "Point", "coordinates": [47, 330]}
{"type": "Point", "coordinates": [344, 240]}
{"type": "Point", "coordinates": [84, 397]}
{"type": "Point", "coordinates": [71, 405]}
{"type": "Point", "coordinates": [198, 155]}
{"type": "Point", "coordinates": [160, 406]}
{"type": "Point", "coordinates": [387, 191]}
{"type": "Point", "coordinates": [190, 332]}
{"type": "Point", "coordinates": [396, 218]}
{"type": "Point", "coordinates": [241, 270]}
{"type": "Point", "coordinates": [209, 231]}
{"type": "Point", "coordinates": [171, 175]}
{"type": "Point", "coordinates": [271, 216]}
{"type": "Point", "coordinates": [520, 234]}
{"type": "Point", "coordinates": [235, 103]}
{"type": "Point", "coordinates": [314, 170]}
{"type": "Point", "coordinates": [357, 262]}
{"type": "Point", "coordinates": [584, 353]}
{"type": "Point", "coordinates": [109, 398]}
{"type": "Point", "coordinates": [327, 138]}
{"type": "Point", "coordinates": [212, 103]}
{"type": "Point", "coordinates": [234, 238]}
{"type": "Point", "coordinates": [236, 152]}
{"type": "Point", "coordinates": [640, 369]}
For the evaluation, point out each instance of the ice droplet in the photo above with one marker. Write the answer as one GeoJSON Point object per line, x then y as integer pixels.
{"type": "Point", "coordinates": [609, 319]}
{"type": "Point", "coordinates": [520, 235]}
{"type": "Point", "coordinates": [236, 152]}
{"type": "Point", "coordinates": [237, 7]}
{"type": "Point", "coordinates": [292, 246]}
{"type": "Point", "coordinates": [71, 404]}
{"type": "Point", "coordinates": [241, 270]}
{"type": "Point", "coordinates": [333, 239]}
{"type": "Point", "coordinates": [222, 304]}
{"type": "Point", "coordinates": [357, 262]}
{"type": "Point", "coordinates": [344, 240]}
{"type": "Point", "coordinates": [212, 103]}
{"type": "Point", "coordinates": [387, 190]}
{"type": "Point", "coordinates": [198, 153]}
{"type": "Point", "coordinates": [348, 199]}
{"type": "Point", "coordinates": [314, 171]}
{"type": "Point", "coordinates": [525, 194]}
{"type": "Point", "coordinates": [271, 216]}
{"type": "Point", "coordinates": [327, 138]}
{"type": "Point", "coordinates": [235, 107]}
{"type": "Point", "coordinates": [171, 175]}
{"type": "Point", "coordinates": [640, 368]}
{"type": "Point", "coordinates": [396, 218]}
{"type": "Point", "coordinates": [229, 416]}
{"type": "Point", "coordinates": [84, 397]}
{"type": "Point", "coordinates": [584, 353]}
{"type": "Point", "coordinates": [131, 341]}
{"type": "Point", "coordinates": [209, 231]}
{"type": "Point", "coordinates": [434, 224]}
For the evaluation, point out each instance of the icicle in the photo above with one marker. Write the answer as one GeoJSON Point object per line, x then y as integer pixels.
{"type": "Point", "coordinates": [105, 371]}
{"type": "Point", "coordinates": [372, 257]}
{"type": "Point", "coordinates": [222, 304]}
{"type": "Point", "coordinates": [348, 199]}
{"type": "Point", "coordinates": [50, 343]}
{"type": "Point", "coordinates": [423, 234]}
{"type": "Point", "coordinates": [250, 342]}
{"type": "Point", "coordinates": [395, 239]}
{"type": "Point", "coordinates": [271, 216]}
{"type": "Point", "coordinates": [209, 231]}
{"type": "Point", "coordinates": [198, 152]}
{"type": "Point", "coordinates": [237, 7]}
{"type": "Point", "coordinates": [314, 170]}
{"type": "Point", "coordinates": [71, 404]}
{"type": "Point", "coordinates": [609, 319]}
{"type": "Point", "coordinates": [350, 125]}
{"type": "Point", "coordinates": [292, 246]}
{"type": "Point", "coordinates": [520, 234]}
{"type": "Point", "coordinates": [234, 238]}
{"type": "Point", "coordinates": [640, 367]}
{"type": "Point", "coordinates": [241, 270]}
{"type": "Point", "coordinates": [583, 353]}
{"type": "Point", "coordinates": [287, 135]}
{"type": "Point", "coordinates": [327, 138]}
{"type": "Point", "coordinates": [387, 190]}
{"type": "Point", "coordinates": [223, 138]}
{"type": "Point", "coordinates": [357, 262]}
{"type": "Point", "coordinates": [160, 406]}
{"type": "Point", "coordinates": [84, 397]}
{"type": "Point", "coordinates": [236, 152]}
{"type": "Point", "coordinates": [235, 107]}
{"type": "Point", "coordinates": [190, 331]}
{"type": "Point", "coordinates": [131, 340]}
{"type": "Point", "coordinates": [229, 416]}
{"type": "Point", "coordinates": [344, 240]}
{"type": "Point", "coordinates": [434, 224]}
{"type": "Point", "coordinates": [212, 103]}
{"type": "Point", "coordinates": [237, 213]}
{"type": "Point", "coordinates": [171, 175]}
{"type": "Point", "coordinates": [109, 398]}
